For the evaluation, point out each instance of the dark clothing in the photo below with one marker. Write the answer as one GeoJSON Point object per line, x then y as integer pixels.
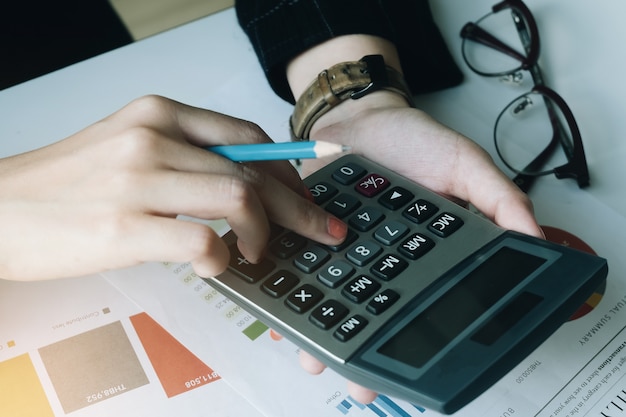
{"type": "Point", "coordinates": [40, 36]}
{"type": "Point", "coordinates": [281, 29]}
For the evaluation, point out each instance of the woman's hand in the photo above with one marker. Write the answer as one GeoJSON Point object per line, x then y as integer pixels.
{"type": "Point", "coordinates": [384, 129]}
{"type": "Point", "coordinates": [108, 196]}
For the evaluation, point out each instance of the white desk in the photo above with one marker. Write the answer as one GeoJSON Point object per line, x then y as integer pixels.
{"type": "Point", "coordinates": [210, 63]}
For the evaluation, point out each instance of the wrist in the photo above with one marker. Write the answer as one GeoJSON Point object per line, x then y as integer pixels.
{"type": "Point", "coordinates": [341, 83]}
{"type": "Point", "coordinates": [306, 66]}
{"type": "Point", "coordinates": [353, 109]}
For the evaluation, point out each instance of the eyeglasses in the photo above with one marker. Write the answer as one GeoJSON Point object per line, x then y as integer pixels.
{"type": "Point", "coordinates": [530, 130]}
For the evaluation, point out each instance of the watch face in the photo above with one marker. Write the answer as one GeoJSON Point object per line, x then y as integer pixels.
{"type": "Point", "coordinates": [565, 238]}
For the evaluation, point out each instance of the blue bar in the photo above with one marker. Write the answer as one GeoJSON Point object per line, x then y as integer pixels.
{"type": "Point", "coordinates": [266, 151]}
{"type": "Point", "coordinates": [342, 407]}
{"type": "Point", "coordinates": [420, 409]}
{"type": "Point", "coordinates": [346, 404]}
{"type": "Point", "coordinates": [388, 404]}
{"type": "Point", "coordinates": [355, 402]}
{"type": "Point", "coordinates": [378, 411]}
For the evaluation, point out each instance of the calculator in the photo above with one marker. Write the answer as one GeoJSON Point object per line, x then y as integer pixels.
{"type": "Point", "coordinates": [424, 300]}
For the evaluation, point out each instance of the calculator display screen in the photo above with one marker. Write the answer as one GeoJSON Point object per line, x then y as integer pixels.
{"type": "Point", "coordinates": [430, 331]}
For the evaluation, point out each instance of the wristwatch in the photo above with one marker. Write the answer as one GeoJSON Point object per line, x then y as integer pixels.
{"type": "Point", "coordinates": [346, 80]}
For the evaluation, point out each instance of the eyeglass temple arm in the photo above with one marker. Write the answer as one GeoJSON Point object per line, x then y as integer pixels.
{"type": "Point", "coordinates": [525, 181]}
{"type": "Point", "coordinates": [471, 31]}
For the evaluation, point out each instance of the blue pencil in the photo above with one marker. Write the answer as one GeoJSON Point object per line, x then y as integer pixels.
{"type": "Point", "coordinates": [277, 151]}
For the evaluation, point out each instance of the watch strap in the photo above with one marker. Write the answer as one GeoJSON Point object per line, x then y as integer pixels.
{"type": "Point", "coordinates": [346, 80]}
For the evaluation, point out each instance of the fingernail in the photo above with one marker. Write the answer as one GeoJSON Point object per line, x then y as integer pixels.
{"type": "Point", "coordinates": [308, 194]}
{"type": "Point", "coordinates": [337, 228]}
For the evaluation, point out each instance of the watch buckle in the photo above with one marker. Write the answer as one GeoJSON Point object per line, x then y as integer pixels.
{"type": "Point", "coordinates": [375, 67]}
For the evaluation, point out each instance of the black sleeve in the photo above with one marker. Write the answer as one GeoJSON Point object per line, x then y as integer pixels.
{"type": "Point", "coordinates": [281, 29]}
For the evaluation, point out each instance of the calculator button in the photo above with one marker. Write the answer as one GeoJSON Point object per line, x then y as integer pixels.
{"type": "Point", "coordinates": [303, 298]}
{"type": "Point", "coordinates": [349, 328]}
{"type": "Point", "coordinates": [350, 238]}
{"type": "Point", "coordinates": [388, 267]}
{"type": "Point", "coordinates": [363, 253]}
{"type": "Point", "coordinates": [342, 205]}
{"type": "Point", "coordinates": [288, 245]}
{"type": "Point", "coordinates": [416, 246]}
{"type": "Point", "coordinates": [249, 271]}
{"type": "Point", "coordinates": [445, 224]}
{"type": "Point", "coordinates": [329, 313]}
{"type": "Point", "coordinates": [371, 185]}
{"type": "Point", "coordinates": [333, 274]}
{"type": "Point", "coordinates": [382, 301]}
{"type": "Point", "coordinates": [420, 211]}
{"type": "Point", "coordinates": [311, 258]}
{"type": "Point", "coordinates": [390, 232]}
{"type": "Point", "coordinates": [279, 283]}
{"type": "Point", "coordinates": [360, 289]}
{"type": "Point", "coordinates": [275, 231]}
{"type": "Point", "coordinates": [396, 198]}
{"type": "Point", "coordinates": [348, 173]}
{"type": "Point", "coordinates": [322, 192]}
{"type": "Point", "coordinates": [366, 218]}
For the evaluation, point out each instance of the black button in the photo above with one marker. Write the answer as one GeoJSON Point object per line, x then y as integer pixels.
{"type": "Point", "coordinates": [249, 271]}
{"type": "Point", "coordinates": [342, 205]}
{"type": "Point", "coordinates": [322, 192]}
{"type": "Point", "coordinates": [329, 313]}
{"type": "Point", "coordinates": [286, 246]}
{"type": "Point", "coordinates": [348, 173]}
{"type": "Point", "coordinates": [382, 301]}
{"type": "Point", "coordinates": [416, 246]}
{"type": "Point", "coordinates": [360, 289]}
{"type": "Point", "coordinates": [349, 328]}
{"type": "Point", "coordinates": [303, 298]}
{"type": "Point", "coordinates": [279, 283]}
{"type": "Point", "coordinates": [445, 224]}
{"type": "Point", "coordinates": [396, 198]}
{"type": "Point", "coordinates": [420, 211]}
{"type": "Point", "coordinates": [389, 267]}
{"type": "Point", "coordinates": [366, 218]}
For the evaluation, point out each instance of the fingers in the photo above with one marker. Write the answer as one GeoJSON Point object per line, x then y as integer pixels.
{"type": "Point", "coordinates": [310, 363]}
{"type": "Point", "coordinates": [495, 195]}
{"type": "Point", "coordinates": [184, 179]}
{"type": "Point", "coordinates": [204, 128]}
{"type": "Point", "coordinates": [360, 393]}
{"type": "Point", "coordinates": [157, 238]}
{"type": "Point", "coordinates": [315, 367]}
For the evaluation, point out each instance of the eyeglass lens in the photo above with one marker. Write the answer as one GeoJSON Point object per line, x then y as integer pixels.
{"type": "Point", "coordinates": [493, 45]}
{"type": "Point", "coordinates": [529, 126]}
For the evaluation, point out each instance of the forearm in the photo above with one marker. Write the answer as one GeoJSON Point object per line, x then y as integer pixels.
{"type": "Point", "coordinates": [304, 68]}
{"type": "Point", "coordinates": [280, 31]}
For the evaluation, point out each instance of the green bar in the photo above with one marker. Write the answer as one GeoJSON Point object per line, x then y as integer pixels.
{"type": "Point", "coordinates": [255, 330]}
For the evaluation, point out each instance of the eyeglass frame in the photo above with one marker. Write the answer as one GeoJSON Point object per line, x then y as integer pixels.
{"type": "Point", "coordinates": [576, 167]}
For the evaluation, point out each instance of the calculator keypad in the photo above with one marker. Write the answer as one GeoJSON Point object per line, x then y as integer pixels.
{"type": "Point", "coordinates": [338, 287]}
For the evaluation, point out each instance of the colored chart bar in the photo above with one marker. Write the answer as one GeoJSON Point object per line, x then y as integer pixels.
{"type": "Point", "coordinates": [392, 407]}
{"type": "Point", "coordinates": [178, 369]}
{"type": "Point", "coordinates": [93, 366]}
{"type": "Point", "coordinates": [344, 406]}
{"type": "Point", "coordinates": [382, 406]}
{"type": "Point", "coordinates": [255, 330]}
{"type": "Point", "coordinates": [21, 393]}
